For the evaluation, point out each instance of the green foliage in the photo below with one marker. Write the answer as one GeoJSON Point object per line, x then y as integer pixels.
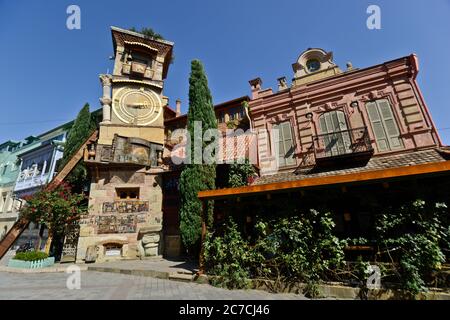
{"type": "Point", "coordinates": [200, 100]}
{"type": "Point", "coordinates": [239, 174]}
{"type": "Point", "coordinates": [232, 124]}
{"type": "Point", "coordinates": [55, 206]}
{"type": "Point", "coordinates": [149, 32]}
{"type": "Point", "coordinates": [79, 177]}
{"type": "Point", "coordinates": [227, 258]}
{"type": "Point", "coordinates": [246, 106]}
{"type": "Point", "coordinates": [196, 177]}
{"type": "Point", "coordinates": [191, 207]}
{"type": "Point", "coordinates": [295, 249]}
{"type": "Point", "coordinates": [415, 235]}
{"type": "Point", "coordinates": [82, 128]}
{"type": "Point", "coordinates": [31, 256]}
{"type": "Point", "coordinates": [362, 273]}
{"type": "Point", "coordinates": [303, 247]}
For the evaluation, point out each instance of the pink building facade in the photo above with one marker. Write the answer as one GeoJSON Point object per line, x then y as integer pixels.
{"type": "Point", "coordinates": [328, 115]}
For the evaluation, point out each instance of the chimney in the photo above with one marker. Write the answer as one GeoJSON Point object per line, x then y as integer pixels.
{"type": "Point", "coordinates": [255, 85]}
{"type": "Point", "coordinates": [349, 66]}
{"type": "Point", "coordinates": [282, 83]}
{"type": "Point", "coordinates": [178, 109]}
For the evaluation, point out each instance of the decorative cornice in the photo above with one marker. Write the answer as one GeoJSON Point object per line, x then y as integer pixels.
{"type": "Point", "coordinates": [134, 43]}
{"type": "Point", "coordinates": [140, 35]}
{"type": "Point", "coordinates": [130, 125]}
{"type": "Point", "coordinates": [137, 82]}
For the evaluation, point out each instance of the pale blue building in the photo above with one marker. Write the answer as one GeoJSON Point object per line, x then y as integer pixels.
{"type": "Point", "coordinates": [9, 172]}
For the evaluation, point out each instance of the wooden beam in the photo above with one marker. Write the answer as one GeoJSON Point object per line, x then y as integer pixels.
{"type": "Point", "coordinates": [366, 176]}
{"type": "Point", "coordinates": [77, 156]}
{"type": "Point", "coordinates": [23, 223]}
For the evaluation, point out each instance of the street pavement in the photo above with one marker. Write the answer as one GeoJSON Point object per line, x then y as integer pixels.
{"type": "Point", "coordinates": [106, 286]}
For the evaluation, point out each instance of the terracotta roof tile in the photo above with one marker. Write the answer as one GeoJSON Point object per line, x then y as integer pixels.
{"type": "Point", "coordinates": [375, 163]}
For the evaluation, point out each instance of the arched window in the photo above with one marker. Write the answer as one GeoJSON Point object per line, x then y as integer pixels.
{"type": "Point", "coordinates": [334, 133]}
{"type": "Point", "coordinates": [384, 126]}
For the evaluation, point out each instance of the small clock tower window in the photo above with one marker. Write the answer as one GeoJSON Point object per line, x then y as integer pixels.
{"type": "Point", "coordinates": [127, 193]}
{"type": "Point", "coordinates": [313, 65]}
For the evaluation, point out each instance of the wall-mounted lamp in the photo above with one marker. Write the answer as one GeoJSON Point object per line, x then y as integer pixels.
{"type": "Point", "coordinates": [354, 104]}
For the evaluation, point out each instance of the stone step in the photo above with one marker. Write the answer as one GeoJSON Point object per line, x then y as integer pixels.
{"type": "Point", "coordinates": [184, 276]}
{"type": "Point", "coordinates": [134, 272]}
{"type": "Point", "coordinates": [181, 272]}
{"type": "Point", "coordinates": [181, 277]}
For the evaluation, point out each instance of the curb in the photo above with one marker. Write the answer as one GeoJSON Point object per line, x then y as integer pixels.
{"type": "Point", "coordinates": [40, 270]}
{"type": "Point", "coordinates": [145, 273]}
{"type": "Point", "coordinates": [340, 291]}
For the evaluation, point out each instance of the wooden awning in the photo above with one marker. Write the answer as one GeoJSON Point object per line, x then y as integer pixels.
{"type": "Point", "coordinates": [360, 177]}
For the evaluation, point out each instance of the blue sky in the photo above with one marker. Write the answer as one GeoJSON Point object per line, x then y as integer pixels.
{"type": "Point", "coordinates": [49, 72]}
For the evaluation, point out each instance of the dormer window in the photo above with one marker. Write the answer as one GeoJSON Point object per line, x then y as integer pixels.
{"type": "Point", "coordinates": [313, 65]}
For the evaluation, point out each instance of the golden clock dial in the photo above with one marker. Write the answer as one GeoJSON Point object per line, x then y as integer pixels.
{"type": "Point", "coordinates": [137, 106]}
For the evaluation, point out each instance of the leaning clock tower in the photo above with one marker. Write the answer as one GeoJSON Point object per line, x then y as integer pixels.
{"type": "Point", "coordinates": [125, 201]}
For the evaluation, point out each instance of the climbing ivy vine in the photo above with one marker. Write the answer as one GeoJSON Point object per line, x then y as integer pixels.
{"type": "Point", "coordinates": [296, 248]}
{"type": "Point", "coordinates": [413, 243]}
{"type": "Point", "coordinates": [415, 236]}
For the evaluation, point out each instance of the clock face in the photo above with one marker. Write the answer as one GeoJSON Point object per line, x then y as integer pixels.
{"type": "Point", "coordinates": [137, 106]}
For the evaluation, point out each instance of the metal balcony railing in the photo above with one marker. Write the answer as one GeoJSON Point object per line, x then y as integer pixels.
{"type": "Point", "coordinates": [342, 143]}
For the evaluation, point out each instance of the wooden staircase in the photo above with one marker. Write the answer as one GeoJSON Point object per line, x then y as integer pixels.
{"type": "Point", "coordinates": [22, 223]}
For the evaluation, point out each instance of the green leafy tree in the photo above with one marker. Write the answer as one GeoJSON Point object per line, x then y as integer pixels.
{"type": "Point", "coordinates": [56, 207]}
{"type": "Point", "coordinates": [196, 177]}
{"type": "Point", "coordinates": [81, 129]}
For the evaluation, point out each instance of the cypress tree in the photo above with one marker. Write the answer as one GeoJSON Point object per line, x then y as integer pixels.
{"type": "Point", "coordinates": [196, 177]}
{"type": "Point", "coordinates": [82, 128]}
